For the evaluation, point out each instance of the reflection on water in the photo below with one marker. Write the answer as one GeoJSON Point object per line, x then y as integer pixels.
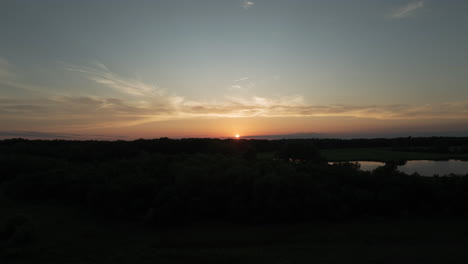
{"type": "Point", "coordinates": [423, 167]}
{"type": "Point", "coordinates": [431, 167]}
{"type": "Point", "coordinates": [370, 165]}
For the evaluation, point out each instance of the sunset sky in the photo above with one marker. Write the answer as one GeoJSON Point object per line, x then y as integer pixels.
{"type": "Point", "coordinates": [217, 68]}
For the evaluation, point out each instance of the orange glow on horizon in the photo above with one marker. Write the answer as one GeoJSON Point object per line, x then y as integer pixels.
{"type": "Point", "coordinates": [250, 127]}
{"type": "Point", "coordinates": [237, 136]}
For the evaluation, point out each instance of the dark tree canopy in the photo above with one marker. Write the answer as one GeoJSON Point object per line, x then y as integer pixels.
{"type": "Point", "coordinates": [166, 181]}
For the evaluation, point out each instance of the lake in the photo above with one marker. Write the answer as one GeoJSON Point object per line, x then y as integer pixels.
{"type": "Point", "coordinates": [424, 167]}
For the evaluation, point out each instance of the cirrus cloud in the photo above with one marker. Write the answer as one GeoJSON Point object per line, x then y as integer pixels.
{"type": "Point", "coordinates": [142, 103]}
{"type": "Point", "coordinates": [247, 4]}
{"type": "Point", "coordinates": [406, 10]}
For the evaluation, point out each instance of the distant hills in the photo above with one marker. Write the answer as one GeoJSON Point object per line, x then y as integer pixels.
{"type": "Point", "coordinates": [359, 135]}
{"type": "Point", "coordinates": [302, 135]}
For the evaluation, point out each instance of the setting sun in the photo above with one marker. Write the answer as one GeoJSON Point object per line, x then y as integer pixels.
{"type": "Point", "coordinates": [237, 136]}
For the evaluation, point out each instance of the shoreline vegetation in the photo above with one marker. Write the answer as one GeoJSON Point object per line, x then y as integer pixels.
{"type": "Point", "coordinates": [386, 154]}
{"type": "Point", "coordinates": [228, 201]}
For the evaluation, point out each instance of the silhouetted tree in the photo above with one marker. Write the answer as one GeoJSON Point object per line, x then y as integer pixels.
{"type": "Point", "coordinates": [300, 151]}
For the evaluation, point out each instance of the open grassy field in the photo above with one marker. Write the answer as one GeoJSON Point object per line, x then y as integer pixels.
{"type": "Point", "coordinates": [67, 235]}
{"type": "Point", "coordinates": [384, 154]}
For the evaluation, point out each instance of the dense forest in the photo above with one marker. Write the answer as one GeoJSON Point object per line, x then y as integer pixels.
{"type": "Point", "coordinates": [166, 181]}
{"type": "Point", "coordinates": [177, 182]}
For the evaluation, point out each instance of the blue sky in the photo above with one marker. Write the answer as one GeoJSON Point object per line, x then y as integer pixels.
{"type": "Point", "coordinates": [221, 67]}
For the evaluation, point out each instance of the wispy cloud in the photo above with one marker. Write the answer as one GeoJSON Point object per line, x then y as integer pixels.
{"type": "Point", "coordinates": [247, 4]}
{"type": "Point", "coordinates": [241, 79]}
{"type": "Point", "coordinates": [407, 10]}
{"type": "Point", "coordinates": [295, 106]}
{"type": "Point", "coordinates": [5, 69]}
{"type": "Point", "coordinates": [144, 93]}
{"type": "Point", "coordinates": [141, 103]}
{"type": "Point", "coordinates": [93, 112]}
{"type": "Point", "coordinates": [243, 84]}
{"type": "Point", "coordinates": [9, 79]}
{"type": "Point", "coordinates": [102, 75]}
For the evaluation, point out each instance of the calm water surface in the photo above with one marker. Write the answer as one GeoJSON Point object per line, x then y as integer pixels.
{"type": "Point", "coordinates": [424, 167]}
{"type": "Point", "coordinates": [431, 167]}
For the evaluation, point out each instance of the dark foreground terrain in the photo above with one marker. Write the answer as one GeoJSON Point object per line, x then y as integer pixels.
{"type": "Point", "coordinates": [67, 235]}
{"type": "Point", "coordinates": [226, 201]}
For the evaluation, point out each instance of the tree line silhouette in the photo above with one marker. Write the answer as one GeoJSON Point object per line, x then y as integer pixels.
{"type": "Point", "coordinates": [165, 181]}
